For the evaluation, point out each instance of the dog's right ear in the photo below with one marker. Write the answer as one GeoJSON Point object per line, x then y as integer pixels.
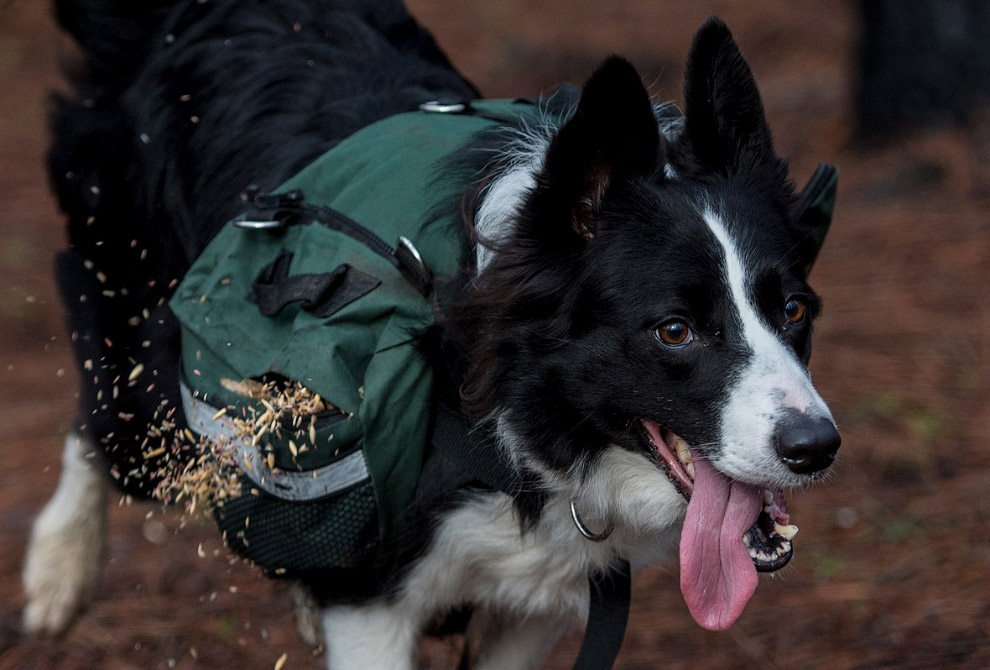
{"type": "Point", "coordinates": [612, 134]}
{"type": "Point", "coordinates": [724, 120]}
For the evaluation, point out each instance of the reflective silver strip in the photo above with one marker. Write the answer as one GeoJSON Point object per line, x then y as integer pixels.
{"type": "Point", "coordinates": [295, 486]}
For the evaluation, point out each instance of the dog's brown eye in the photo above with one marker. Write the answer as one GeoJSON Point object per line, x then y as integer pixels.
{"type": "Point", "coordinates": [674, 333]}
{"type": "Point", "coordinates": [794, 310]}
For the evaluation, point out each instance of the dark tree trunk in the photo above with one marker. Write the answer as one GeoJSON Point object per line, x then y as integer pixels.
{"type": "Point", "coordinates": [922, 63]}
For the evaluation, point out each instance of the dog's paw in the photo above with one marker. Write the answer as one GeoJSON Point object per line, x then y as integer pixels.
{"type": "Point", "coordinates": [61, 571]}
{"type": "Point", "coordinates": [68, 541]}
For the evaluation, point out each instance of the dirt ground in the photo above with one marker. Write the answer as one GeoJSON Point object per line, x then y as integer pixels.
{"type": "Point", "coordinates": [891, 562]}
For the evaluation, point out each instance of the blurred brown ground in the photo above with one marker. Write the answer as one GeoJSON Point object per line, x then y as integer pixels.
{"type": "Point", "coordinates": [891, 561]}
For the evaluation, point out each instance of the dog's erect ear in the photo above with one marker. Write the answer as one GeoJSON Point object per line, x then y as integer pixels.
{"type": "Point", "coordinates": [724, 120]}
{"type": "Point", "coordinates": [612, 134]}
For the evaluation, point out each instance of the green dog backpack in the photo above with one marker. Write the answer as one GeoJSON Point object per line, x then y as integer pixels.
{"type": "Point", "coordinates": [300, 324]}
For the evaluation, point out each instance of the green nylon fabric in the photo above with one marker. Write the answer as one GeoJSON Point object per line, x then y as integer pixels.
{"type": "Point", "coordinates": [362, 358]}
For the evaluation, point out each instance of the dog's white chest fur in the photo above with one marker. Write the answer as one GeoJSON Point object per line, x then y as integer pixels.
{"type": "Point", "coordinates": [525, 586]}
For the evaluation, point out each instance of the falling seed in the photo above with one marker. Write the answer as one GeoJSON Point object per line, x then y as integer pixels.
{"type": "Point", "coordinates": [219, 414]}
{"type": "Point", "coordinates": [145, 138]}
{"type": "Point", "coordinates": [293, 448]}
{"type": "Point", "coordinates": [95, 190]}
{"type": "Point", "coordinates": [280, 663]}
{"type": "Point", "coordinates": [154, 453]}
{"type": "Point", "coordinates": [185, 97]}
{"type": "Point", "coordinates": [194, 119]}
{"type": "Point", "coordinates": [136, 372]}
{"type": "Point", "coordinates": [200, 552]}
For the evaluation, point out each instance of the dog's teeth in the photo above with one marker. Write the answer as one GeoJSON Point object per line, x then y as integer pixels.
{"type": "Point", "coordinates": [767, 497]}
{"type": "Point", "coordinates": [746, 540]}
{"type": "Point", "coordinates": [786, 532]}
{"type": "Point", "coordinates": [684, 455]}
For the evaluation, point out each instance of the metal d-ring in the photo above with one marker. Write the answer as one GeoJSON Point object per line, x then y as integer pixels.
{"type": "Point", "coordinates": [594, 537]}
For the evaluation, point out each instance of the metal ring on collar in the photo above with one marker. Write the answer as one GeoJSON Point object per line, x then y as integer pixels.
{"type": "Point", "coordinates": [594, 537]}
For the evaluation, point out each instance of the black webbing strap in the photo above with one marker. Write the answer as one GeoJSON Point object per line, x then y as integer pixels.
{"type": "Point", "coordinates": [608, 610]}
{"type": "Point", "coordinates": [608, 613]}
{"type": "Point", "coordinates": [482, 461]}
{"type": "Point", "coordinates": [321, 294]}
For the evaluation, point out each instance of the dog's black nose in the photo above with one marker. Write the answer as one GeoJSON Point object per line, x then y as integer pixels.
{"type": "Point", "coordinates": [806, 444]}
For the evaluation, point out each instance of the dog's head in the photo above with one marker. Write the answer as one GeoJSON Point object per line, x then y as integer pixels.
{"type": "Point", "coordinates": [652, 297]}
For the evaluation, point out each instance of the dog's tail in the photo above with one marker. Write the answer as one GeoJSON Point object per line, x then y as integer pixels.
{"type": "Point", "coordinates": [114, 277]}
{"type": "Point", "coordinates": [113, 34]}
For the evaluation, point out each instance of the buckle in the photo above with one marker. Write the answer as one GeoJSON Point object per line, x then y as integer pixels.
{"type": "Point", "coordinates": [445, 107]}
{"type": "Point", "coordinates": [269, 211]}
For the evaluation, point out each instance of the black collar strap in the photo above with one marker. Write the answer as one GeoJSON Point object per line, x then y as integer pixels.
{"type": "Point", "coordinates": [608, 613]}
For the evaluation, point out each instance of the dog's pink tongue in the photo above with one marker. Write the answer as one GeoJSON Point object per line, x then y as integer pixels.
{"type": "Point", "coordinates": [717, 575]}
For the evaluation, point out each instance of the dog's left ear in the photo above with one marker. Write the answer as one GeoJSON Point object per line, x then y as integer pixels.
{"type": "Point", "coordinates": [613, 134]}
{"type": "Point", "coordinates": [813, 215]}
{"type": "Point", "coordinates": [724, 120]}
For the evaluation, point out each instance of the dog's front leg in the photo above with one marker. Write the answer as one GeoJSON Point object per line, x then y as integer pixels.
{"type": "Point", "coordinates": [68, 540]}
{"type": "Point", "coordinates": [376, 636]}
{"type": "Point", "coordinates": [502, 642]}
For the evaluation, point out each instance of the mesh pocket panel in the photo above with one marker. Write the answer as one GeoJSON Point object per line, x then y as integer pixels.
{"type": "Point", "coordinates": [339, 531]}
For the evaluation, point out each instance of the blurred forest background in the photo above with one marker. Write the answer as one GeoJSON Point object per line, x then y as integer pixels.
{"type": "Point", "coordinates": [890, 565]}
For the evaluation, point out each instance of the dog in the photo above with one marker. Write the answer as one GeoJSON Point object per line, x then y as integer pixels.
{"type": "Point", "coordinates": [631, 327]}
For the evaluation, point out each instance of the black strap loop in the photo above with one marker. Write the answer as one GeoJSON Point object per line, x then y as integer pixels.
{"type": "Point", "coordinates": [817, 201]}
{"type": "Point", "coordinates": [321, 294]}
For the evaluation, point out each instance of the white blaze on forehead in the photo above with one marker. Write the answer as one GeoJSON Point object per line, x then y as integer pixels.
{"type": "Point", "coordinates": [773, 380]}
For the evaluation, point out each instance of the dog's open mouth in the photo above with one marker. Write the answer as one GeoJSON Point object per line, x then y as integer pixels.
{"type": "Point", "coordinates": [731, 531]}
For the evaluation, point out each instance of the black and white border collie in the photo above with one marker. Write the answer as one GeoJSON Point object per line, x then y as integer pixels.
{"type": "Point", "coordinates": [633, 330]}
